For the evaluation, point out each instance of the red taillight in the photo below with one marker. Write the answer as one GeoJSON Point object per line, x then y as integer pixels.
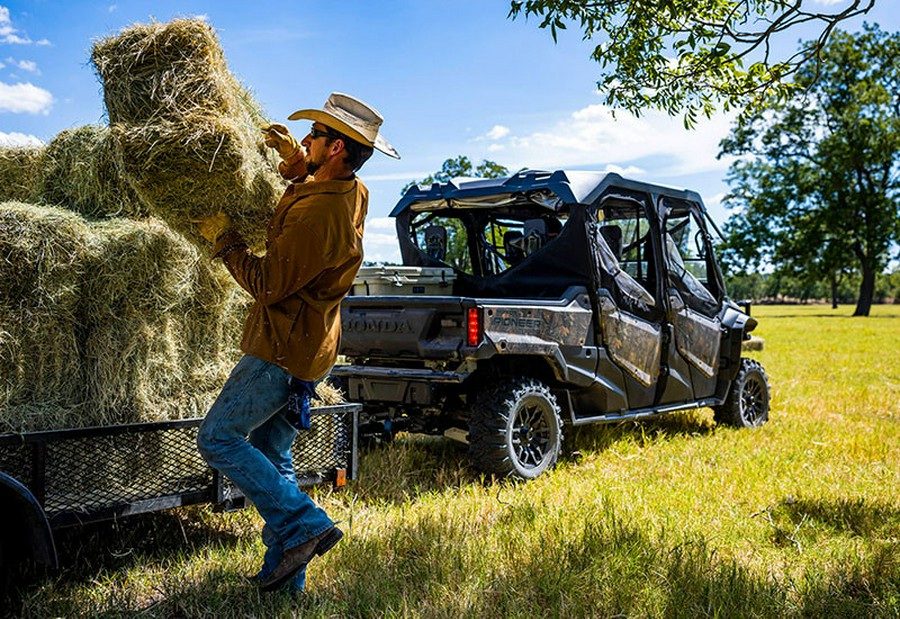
{"type": "Point", "coordinates": [473, 327]}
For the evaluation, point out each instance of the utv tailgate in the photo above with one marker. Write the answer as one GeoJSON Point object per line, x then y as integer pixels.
{"type": "Point", "coordinates": [403, 326]}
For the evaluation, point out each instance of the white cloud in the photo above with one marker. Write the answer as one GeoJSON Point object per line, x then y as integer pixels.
{"type": "Point", "coordinates": [381, 246]}
{"type": "Point", "coordinates": [380, 240]}
{"type": "Point", "coordinates": [396, 176]}
{"type": "Point", "coordinates": [498, 132]}
{"type": "Point", "coordinates": [18, 139]}
{"type": "Point", "coordinates": [112, 8]}
{"type": "Point", "coordinates": [715, 201]}
{"type": "Point", "coordinates": [592, 136]}
{"type": "Point", "coordinates": [24, 99]}
{"type": "Point", "coordinates": [380, 223]}
{"type": "Point", "coordinates": [9, 34]}
{"type": "Point", "coordinates": [626, 171]}
{"type": "Point", "coordinates": [25, 65]}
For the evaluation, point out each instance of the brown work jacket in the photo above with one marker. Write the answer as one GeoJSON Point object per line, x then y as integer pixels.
{"type": "Point", "coordinates": [313, 251]}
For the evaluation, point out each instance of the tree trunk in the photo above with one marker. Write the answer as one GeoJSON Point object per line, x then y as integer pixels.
{"type": "Point", "coordinates": [834, 292]}
{"type": "Point", "coordinates": [866, 291]}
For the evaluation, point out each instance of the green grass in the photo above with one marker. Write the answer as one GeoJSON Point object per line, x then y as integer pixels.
{"type": "Point", "coordinates": [672, 517]}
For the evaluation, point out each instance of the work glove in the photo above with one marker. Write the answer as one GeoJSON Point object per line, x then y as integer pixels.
{"type": "Point", "coordinates": [279, 137]}
{"type": "Point", "coordinates": [212, 227]}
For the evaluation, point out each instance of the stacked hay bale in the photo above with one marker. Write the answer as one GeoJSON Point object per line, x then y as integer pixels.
{"type": "Point", "coordinates": [153, 309]}
{"type": "Point", "coordinates": [44, 257]}
{"type": "Point", "coordinates": [110, 310]}
{"type": "Point", "coordinates": [755, 343]}
{"type": "Point", "coordinates": [110, 321]}
{"type": "Point", "coordinates": [187, 131]}
{"type": "Point", "coordinates": [80, 171]}
{"type": "Point", "coordinates": [19, 170]}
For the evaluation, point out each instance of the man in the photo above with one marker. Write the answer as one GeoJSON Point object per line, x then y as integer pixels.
{"type": "Point", "coordinates": [292, 335]}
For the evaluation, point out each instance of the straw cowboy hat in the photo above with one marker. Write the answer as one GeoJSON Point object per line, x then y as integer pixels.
{"type": "Point", "coordinates": [351, 117]}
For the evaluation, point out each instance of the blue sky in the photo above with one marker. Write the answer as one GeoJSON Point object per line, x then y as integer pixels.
{"type": "Point", "coordinates": [450, 78]}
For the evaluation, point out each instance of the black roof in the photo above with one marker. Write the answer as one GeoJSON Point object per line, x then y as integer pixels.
{"type": "Point", "coordinates": [570, 186]}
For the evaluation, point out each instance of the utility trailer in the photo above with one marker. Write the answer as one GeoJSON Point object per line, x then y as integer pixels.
{"type": "Point", "coordinates": [63, 478]}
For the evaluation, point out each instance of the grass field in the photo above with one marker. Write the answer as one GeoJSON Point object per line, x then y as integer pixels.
{"type": "Point", "coordinates": [672, 517]}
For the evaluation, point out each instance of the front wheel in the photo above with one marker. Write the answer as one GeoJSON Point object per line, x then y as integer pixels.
{"type": "Point", "coordinates": [515, 429]}
{"type": "Point", "coordinates": [747, 404]}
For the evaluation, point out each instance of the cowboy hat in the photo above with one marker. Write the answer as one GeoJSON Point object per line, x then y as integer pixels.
{"type": "Point", "coordinates": [351, 117]}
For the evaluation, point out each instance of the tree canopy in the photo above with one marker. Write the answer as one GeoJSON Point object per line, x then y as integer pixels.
{"type": "Point", "coordinates": [687, 56]}
{"type": "Point", "coordinates": [816, 187]}
{"type": "Point", "coordinates": [461, 167]}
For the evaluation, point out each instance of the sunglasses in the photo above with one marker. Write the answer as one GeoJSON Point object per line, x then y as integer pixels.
{"type": "Point", "coordinates": [316, 133]}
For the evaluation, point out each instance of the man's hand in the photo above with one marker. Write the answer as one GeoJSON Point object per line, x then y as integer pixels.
{"type": "Point", "coordinates": [279, 137]}
{"type": "Point", "coordinates": [212, 227]}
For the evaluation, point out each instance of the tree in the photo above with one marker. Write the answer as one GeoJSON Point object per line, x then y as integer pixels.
{"type": "Point", "coordinates": [816, 189]}
{"type": "Point", "coordinates": [459, 167]}
{"type": "Point", "coordinates": [683, 55]}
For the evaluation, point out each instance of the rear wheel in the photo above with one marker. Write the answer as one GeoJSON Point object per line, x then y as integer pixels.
{"type": "Point", "coordinates": [747, 404]}
{"type": "Point", "coordinates": [515, 429]}
{"type": "Point", "coordinates": [8, 567]}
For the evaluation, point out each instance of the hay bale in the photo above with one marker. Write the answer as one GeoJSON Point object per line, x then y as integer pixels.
{"type": "Point", "coordinates": [44, 255]}
{"type": "Point", "coordinates": [186, 127]}
{"type": "Point", "coordinates": [108, 322]}
{"type": "Point", "coordinates": [19, 169]}
{"type": "Point", "coordinates": [183, 172]}
{"type": "Point", "coordinates": [167, 72]}
{"type": "Point", "coordinates": [82, 172]}
{"type": "Point", "coordinates": [213, 334]}
{"type": "Point", "coordinates": [754, 343]}
{"type": "Point", "coordinates": [138, 301]}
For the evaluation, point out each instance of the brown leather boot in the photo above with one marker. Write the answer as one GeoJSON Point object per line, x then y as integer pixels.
{"type": "Point", "coordinates": [293, 559]}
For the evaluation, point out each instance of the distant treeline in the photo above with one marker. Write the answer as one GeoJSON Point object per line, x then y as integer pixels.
{"type": "Point", "coordinates": [779, 288]}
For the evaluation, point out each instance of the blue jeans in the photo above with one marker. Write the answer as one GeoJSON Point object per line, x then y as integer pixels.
{"type": "Point", "coordinates": [246, 437]}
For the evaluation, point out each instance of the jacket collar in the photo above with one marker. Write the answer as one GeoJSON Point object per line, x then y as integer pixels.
{"type": "Point", "coordinates": [311, 186]}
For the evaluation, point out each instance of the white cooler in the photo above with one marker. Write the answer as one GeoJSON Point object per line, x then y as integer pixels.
{"type": "Point", "coordinates": [399, 280]}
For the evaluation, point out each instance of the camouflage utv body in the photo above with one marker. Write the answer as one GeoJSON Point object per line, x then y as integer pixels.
{"type": "Point", "coordinates": [561, 298]}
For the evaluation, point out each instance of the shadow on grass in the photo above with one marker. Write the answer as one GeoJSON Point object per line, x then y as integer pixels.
{"type": "Point", "coordinates": [529, 559]}
{"type": "Point", "coordinates": [644, 432]}
{"type": "Point", "coordinates": [799, 521]}
{"type": "Point", "coordinates": [856, 516]}
{"type": "Point", "coordinates": [414, 465]}
{"type": "Point", "coordinates": [586, 564]}
{"type": "Point", "coordinates": [411, 466]}
{"type": "Point", "coordinates": [87, 551]}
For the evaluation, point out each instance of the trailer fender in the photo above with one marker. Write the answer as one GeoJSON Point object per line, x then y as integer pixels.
{"type": "Point", "coordinates": [27, 534]}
